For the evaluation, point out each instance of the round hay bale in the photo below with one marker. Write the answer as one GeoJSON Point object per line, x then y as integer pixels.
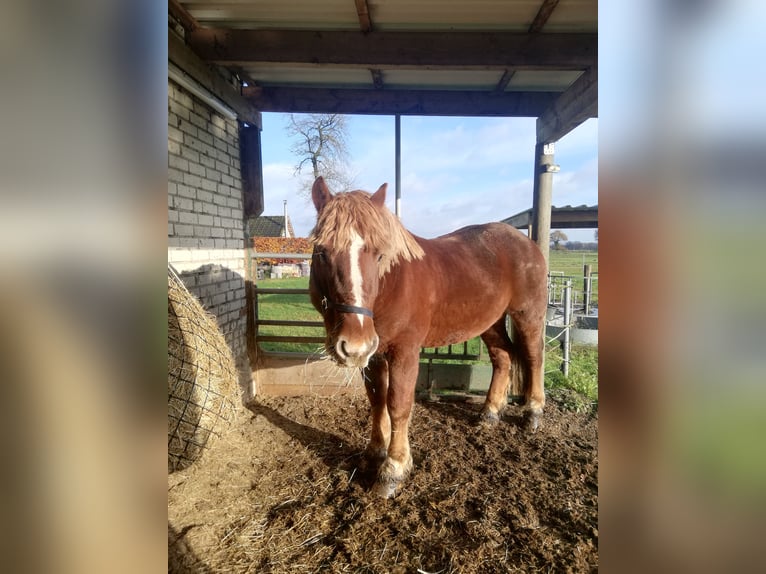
{"type": "Point", "coordinates": [202, 378]}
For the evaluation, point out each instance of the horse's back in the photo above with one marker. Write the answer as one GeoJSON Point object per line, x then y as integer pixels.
{"type": "Point", "coordinates": [494, 244]}
{"type": "Point", "coordinates": [492, 259]}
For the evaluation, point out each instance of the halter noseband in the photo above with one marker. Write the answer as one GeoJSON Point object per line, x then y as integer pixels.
{"type": "Point", "coordinates": [343, 308]}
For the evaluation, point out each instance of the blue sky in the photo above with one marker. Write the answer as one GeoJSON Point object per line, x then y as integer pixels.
{"type": "Point", "coordinates": [455, 171]}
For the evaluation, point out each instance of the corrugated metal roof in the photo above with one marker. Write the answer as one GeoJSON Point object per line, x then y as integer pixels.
{"type": "Point", "coordinates": [390, 15]}
{"type": "Point", "coordinates": [531, 46]}
{"type": "Point", "coordinates": [542, 80]}
{"type": "Point", "coordinates": [319, 76]}
{"type": "Point", "coordinates": [442, 79]}
{"type": "Point", "coordinates": [275, 14]}
{"type": "Point", "coordinates": [453, 14]}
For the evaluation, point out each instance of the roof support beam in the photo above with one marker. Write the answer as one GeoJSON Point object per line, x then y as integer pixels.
{"type": "Point", "coordinates": [545, 11]}
{"type": "Point", "coordinates": [182, 15]}
{"type": "Point", "coordinates": [189, 63]}
{"type": "Point", "coordinates": [469, 50]}
{"type": "Point", "coordinates": [504, 80]}
{"type": "Point", "coordinates": [571, 108]}
{"type": "Point", "coordinates": [363, 11]}
{"type": "Point", "coordinates": [404, 102]}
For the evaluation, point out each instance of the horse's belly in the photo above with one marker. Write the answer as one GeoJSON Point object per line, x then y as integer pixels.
{"type": "Point", "coordinates": [448, 329]}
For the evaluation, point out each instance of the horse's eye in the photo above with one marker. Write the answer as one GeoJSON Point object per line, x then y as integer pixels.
{"type": "Point", "coordinates": [380, 258]}
{"type": "Point", "coordinates": [321, 255]}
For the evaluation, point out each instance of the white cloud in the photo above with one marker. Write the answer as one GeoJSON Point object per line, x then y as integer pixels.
{"type": "Point", "coordinates": [455, 171]}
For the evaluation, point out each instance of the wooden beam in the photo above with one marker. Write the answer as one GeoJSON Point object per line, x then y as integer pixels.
{"type": "Point", "coordinates": [182, 15]}
{"type": "Point", "coordinates": [363, 11]}
{"type": "Point", "coordinates": [561, 218]}
{"type": "Point", "coordinates": [479, 50]}
{"type": "Point", "coordinates": [571, 108]}
{"type": "Point", "coordinates": [504, 81]}
{"type": "Point", "coordinates": [545, 11]}
{"type": "Point", "coordinates": [251, 169]}
{"type": "Point", "coordinates": [190, 63]}
{"type": "Point", "coordinates": [377, 79]}
{"type": "Point", "coordinates": [404, 102]}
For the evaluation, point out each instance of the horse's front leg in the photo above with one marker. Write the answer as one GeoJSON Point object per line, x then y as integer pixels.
{"type": "Point", "coordinates": [376, 385]}
{"type": "Point", "coordinates": [403, 367]}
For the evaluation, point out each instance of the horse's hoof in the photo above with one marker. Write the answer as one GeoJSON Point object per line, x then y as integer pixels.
{"type": "Point", "coordinates": [391, 477]}
{"type": "Point", "coordinates": [534, 420]}
{"type": "Point", "coordinates": [488, 418]}
{"type": "Point", "coordinates": [386, 488]}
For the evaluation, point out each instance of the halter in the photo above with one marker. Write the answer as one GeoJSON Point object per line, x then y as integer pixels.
{"type": "Point", "coordinates": [343, 308]}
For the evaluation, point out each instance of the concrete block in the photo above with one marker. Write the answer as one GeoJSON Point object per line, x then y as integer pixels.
{"type": "Point", "coordinates": [188, 128]}
{"type": "Point", "coordinates": [185, 231]}
{"type": "Point", "coordinates": [205, 136]}
{"type": "Point", "coordinates": [197, 169]}
{"type": "Point", "coordinates": [177, 162]}
{"type": "Point", "coordinates": [189, 154]}
{"type": "Point", "coordinates": [207, 161]}
{"type": "Point", "coordinates": [192, 180]}
{"type": "Point", "coordinates": [183, 204]}
{"type": "Point", "coordinates": [209, 185]}
{"type": "Point", "coordinates": [198, 121]}
{"type": "Point", "coordinates": [213, 175]}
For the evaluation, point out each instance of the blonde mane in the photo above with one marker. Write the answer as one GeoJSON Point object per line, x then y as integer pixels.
{"type": "Point", "coordinates": [381, 230]}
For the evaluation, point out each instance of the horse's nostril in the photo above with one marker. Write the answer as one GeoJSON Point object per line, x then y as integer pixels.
{"type": "Point", "coordinates": [343, 349]}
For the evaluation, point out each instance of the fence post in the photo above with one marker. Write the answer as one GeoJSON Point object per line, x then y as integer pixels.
{"type": "Point", "coordinates": [567, 321]}
{"type": "Point", "coordinates": [251, 307]}
{"type": "Point", "coordinates": [586, 287]}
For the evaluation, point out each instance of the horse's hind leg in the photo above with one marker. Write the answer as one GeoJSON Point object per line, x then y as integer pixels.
{"type": "Point", "coordinates": [501, 354]}
{"type": "Point", "coordinates": [528, 342]}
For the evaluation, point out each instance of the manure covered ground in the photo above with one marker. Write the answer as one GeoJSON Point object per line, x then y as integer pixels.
{"type": "Point", "coordinates": [286, 490]}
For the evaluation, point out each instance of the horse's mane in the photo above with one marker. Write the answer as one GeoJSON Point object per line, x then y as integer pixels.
{"type": "Point", "coordinates": [381, 230]}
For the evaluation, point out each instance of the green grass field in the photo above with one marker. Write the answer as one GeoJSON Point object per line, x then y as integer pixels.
{"type": "Point", "coordinates": [583, 375]}
{"type": "Point", "coordinates": [571, 263]}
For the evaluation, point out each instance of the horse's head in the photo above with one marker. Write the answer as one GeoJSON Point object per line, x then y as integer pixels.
{"type": "Point", "coordinates": [346, 268]}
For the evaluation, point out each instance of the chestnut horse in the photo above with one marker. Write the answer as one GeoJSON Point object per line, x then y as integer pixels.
{"type": "Point", "coordinates": [385, 293]}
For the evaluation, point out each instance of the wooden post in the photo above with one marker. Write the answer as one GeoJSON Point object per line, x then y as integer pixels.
{"type": "Point", "coordinates": [251, 307]}
{"type": "Point", "coordinates": [251, 167]}
{"type": "Point", "coordinates": [542, 198]}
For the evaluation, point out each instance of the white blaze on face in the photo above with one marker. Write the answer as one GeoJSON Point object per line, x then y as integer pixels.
{"type": "Point", "coordinates": [357, 243]}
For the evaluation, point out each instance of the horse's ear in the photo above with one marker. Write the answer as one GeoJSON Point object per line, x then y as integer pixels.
{"type": "Point", "coordinates": [320, 193]}
{"type": "Point", "coordinates": [379, 197]}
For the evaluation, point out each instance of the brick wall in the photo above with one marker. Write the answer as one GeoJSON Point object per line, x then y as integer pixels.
{"type": "Point", "coordinates": [206, 237]}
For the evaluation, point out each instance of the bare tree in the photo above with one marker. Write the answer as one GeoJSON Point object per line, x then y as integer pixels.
{"type": "Point", "coordinates": [320, 144]}
{"type": "Point", "coordinates": [557, 237]}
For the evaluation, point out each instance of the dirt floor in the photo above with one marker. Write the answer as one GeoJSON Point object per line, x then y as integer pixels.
{"type": "Point", "coordinates": [285, 490]}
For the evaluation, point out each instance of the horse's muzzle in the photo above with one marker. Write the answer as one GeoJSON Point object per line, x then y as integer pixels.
{"type": "Point", "coordinates": [355, 353]}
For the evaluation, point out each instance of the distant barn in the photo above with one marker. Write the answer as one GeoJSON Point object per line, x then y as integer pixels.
{"type": "Point", "coordinates": [270, 226]}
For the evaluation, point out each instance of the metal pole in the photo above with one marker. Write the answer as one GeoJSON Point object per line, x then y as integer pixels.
{"type": "Point", "coordinates": [567, 321]}
{"type": "Point", "coordinates": [586, 287]}
{"type": "Point", "coordinates": [398, 164]}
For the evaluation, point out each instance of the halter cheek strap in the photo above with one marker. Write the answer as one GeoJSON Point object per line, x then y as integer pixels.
{"type": "Point", "coordinates": [343, 308]}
